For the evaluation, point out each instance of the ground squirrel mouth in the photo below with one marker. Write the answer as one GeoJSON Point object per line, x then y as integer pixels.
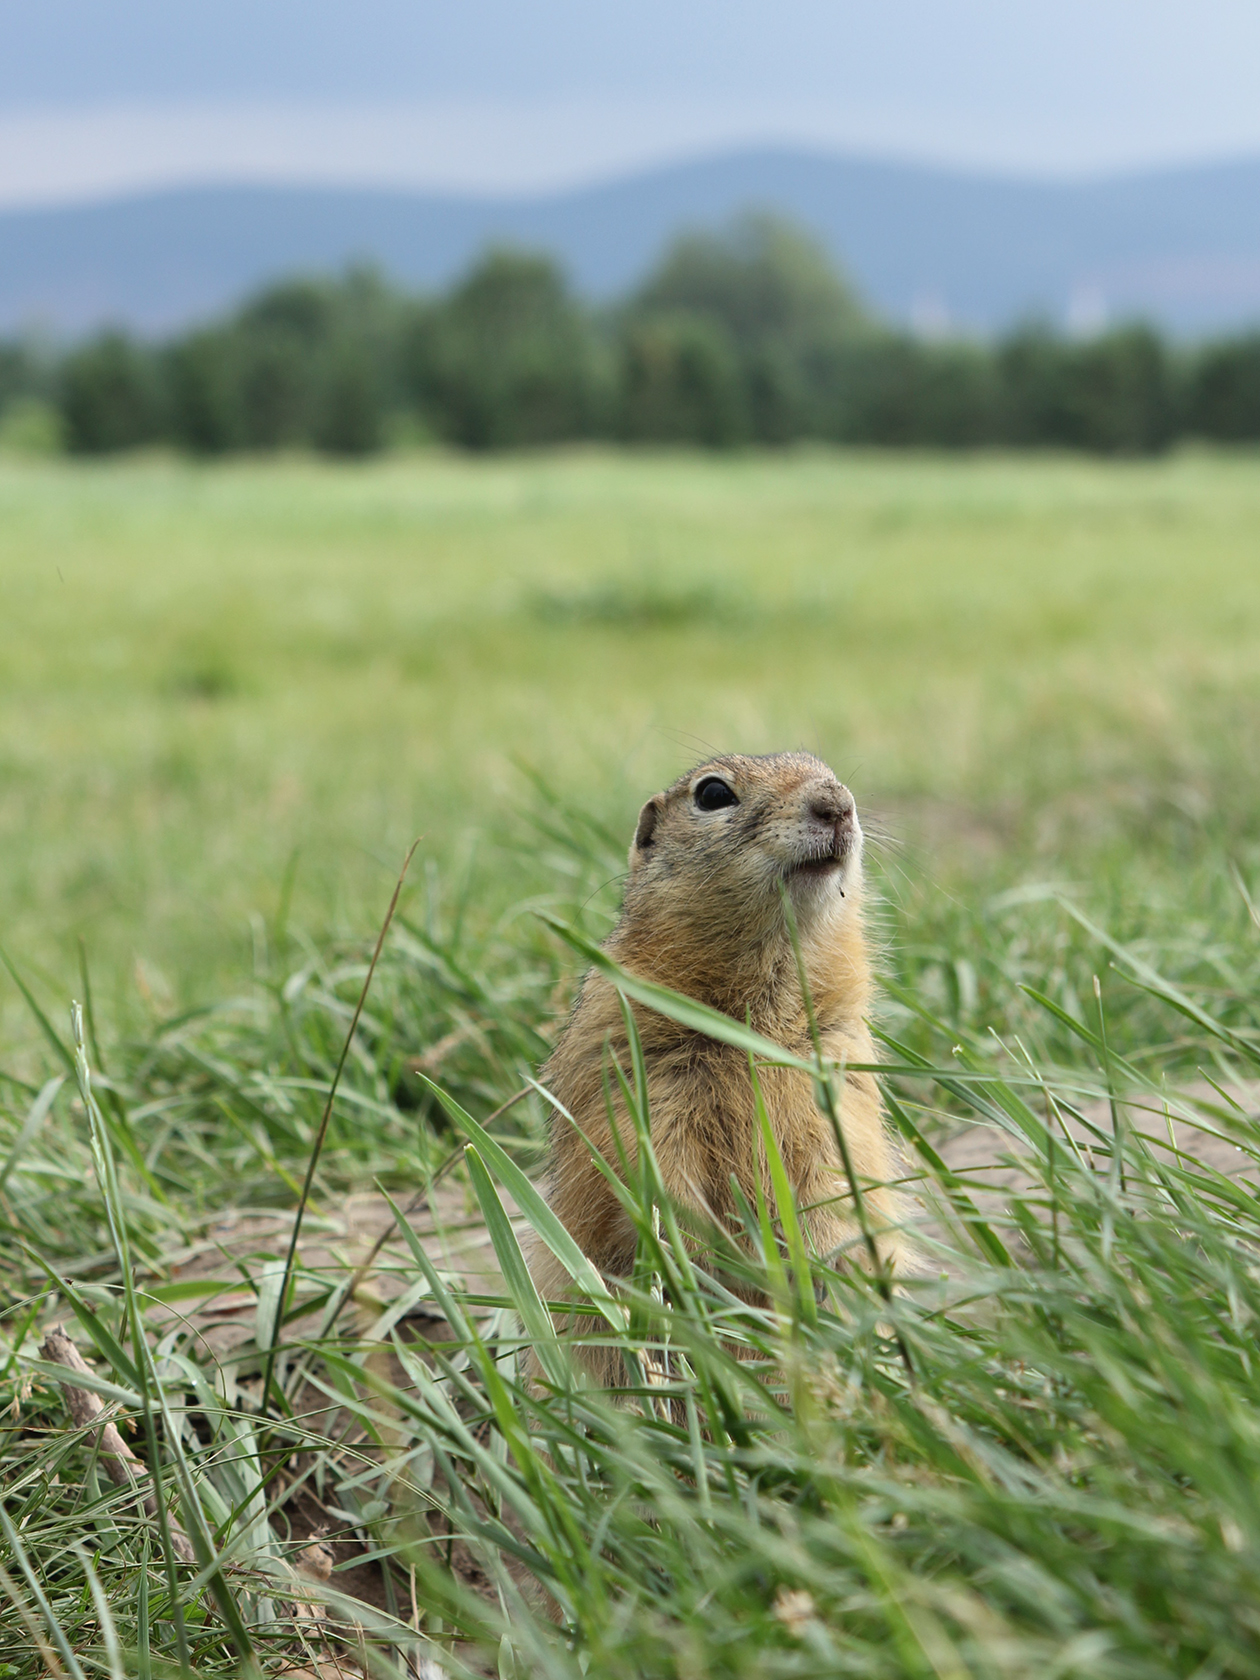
{"type": "Point", "coordinates": [816, 865]}
{"type": "Point", "coordinates": [824, 861]}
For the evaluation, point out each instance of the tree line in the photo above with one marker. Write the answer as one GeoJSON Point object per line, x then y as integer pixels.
{"type": "Point", "coordinates": [748, 335]}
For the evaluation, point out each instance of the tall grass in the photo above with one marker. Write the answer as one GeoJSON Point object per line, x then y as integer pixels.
{"type": "Point", "coordinates": [1036, 1458]}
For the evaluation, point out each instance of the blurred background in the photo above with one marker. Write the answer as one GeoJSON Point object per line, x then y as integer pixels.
{"type": "Point", "coordinates": [413, 419]}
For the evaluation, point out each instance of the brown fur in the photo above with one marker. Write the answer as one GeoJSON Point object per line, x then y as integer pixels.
{"type": "Point", "coordinates": [704, 915]}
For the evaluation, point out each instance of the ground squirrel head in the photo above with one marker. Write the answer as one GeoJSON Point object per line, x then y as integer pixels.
{"type": "Point", "coordinates": [718, 847]}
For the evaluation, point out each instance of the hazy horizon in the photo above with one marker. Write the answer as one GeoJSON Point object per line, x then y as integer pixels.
{"type": "Point", "coordinates": [493, 100]}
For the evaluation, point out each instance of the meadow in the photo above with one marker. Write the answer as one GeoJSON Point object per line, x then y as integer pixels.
{"type": "Point", "coordinates": [210, 674]}
{"type": "Point", "coordinates": [235, 694]}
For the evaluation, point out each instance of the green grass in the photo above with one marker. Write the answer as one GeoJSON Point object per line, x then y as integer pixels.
{"type": "Point", "coordinates": [208, 670]}
{"type": "Point", "coordinates": [234, 695]}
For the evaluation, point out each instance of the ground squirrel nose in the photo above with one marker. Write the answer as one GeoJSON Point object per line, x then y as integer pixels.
{"type": "Point", "coordinates": [831, 804]}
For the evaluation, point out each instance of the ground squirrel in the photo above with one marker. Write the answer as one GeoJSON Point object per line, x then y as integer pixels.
{"type": "Point", "coordinates": [704, 915]}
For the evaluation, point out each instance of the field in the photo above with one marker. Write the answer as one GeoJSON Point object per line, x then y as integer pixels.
{"type": "Point", "coordinates": [208, 673]}
{"type": "Point", "coordinates": [233, 697]}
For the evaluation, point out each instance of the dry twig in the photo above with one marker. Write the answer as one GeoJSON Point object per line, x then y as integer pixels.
{"type": "Point", "coordinates": [121, 1464]}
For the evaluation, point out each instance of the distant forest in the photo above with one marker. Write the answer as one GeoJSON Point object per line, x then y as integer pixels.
{"type": "Point", "coordinates": [748, 336]}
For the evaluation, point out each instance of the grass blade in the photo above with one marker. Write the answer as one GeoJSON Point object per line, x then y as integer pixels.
{"type": "Point", "coordinates": [535, 1209]}
{"type": "Point", "coordinates": [520, 1285]}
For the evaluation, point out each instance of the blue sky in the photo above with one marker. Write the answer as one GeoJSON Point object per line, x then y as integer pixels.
{"type": "Point", "coordinates": [98, 96]}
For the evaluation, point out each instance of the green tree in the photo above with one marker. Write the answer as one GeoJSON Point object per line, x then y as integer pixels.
{"type": "Point", "coordinates": [350, 417]}
{"type": "Point", "coordinates": [892, 389]}
{"type": "Point", "coordinates": [282, 337]}
{"type": "Point", "coordinates": [770, 285]}
{"type": "Point", "coordinates": [316, 363]}
{"type": "Point", "coordinates": [508, 359]}
{"type": "Point", "coordinates": [1115, 394]}
{"type": "Point", "coordinates": [203, 380]}
{"type": "Point", "coordinates": [25, 369]}
{"type": "Point", "coordinates": [681, 383]}
{"type": "Point", "coordinates": [773, 294]}
{"type": "Point", "coordinates": [1224, 395]}
{"type": "Point", "coordinates": [111, 396]}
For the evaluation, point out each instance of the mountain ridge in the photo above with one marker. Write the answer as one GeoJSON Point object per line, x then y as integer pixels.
{"type": "Point", "coordinates": [938, 248]}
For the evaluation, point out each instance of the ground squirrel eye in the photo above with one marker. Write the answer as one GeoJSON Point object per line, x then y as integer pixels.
{"type": "Point", "coordinates": [713, 793]}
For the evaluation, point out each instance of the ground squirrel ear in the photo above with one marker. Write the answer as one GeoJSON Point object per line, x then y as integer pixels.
{"type": "Point", "coordinates": [647, 825]}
